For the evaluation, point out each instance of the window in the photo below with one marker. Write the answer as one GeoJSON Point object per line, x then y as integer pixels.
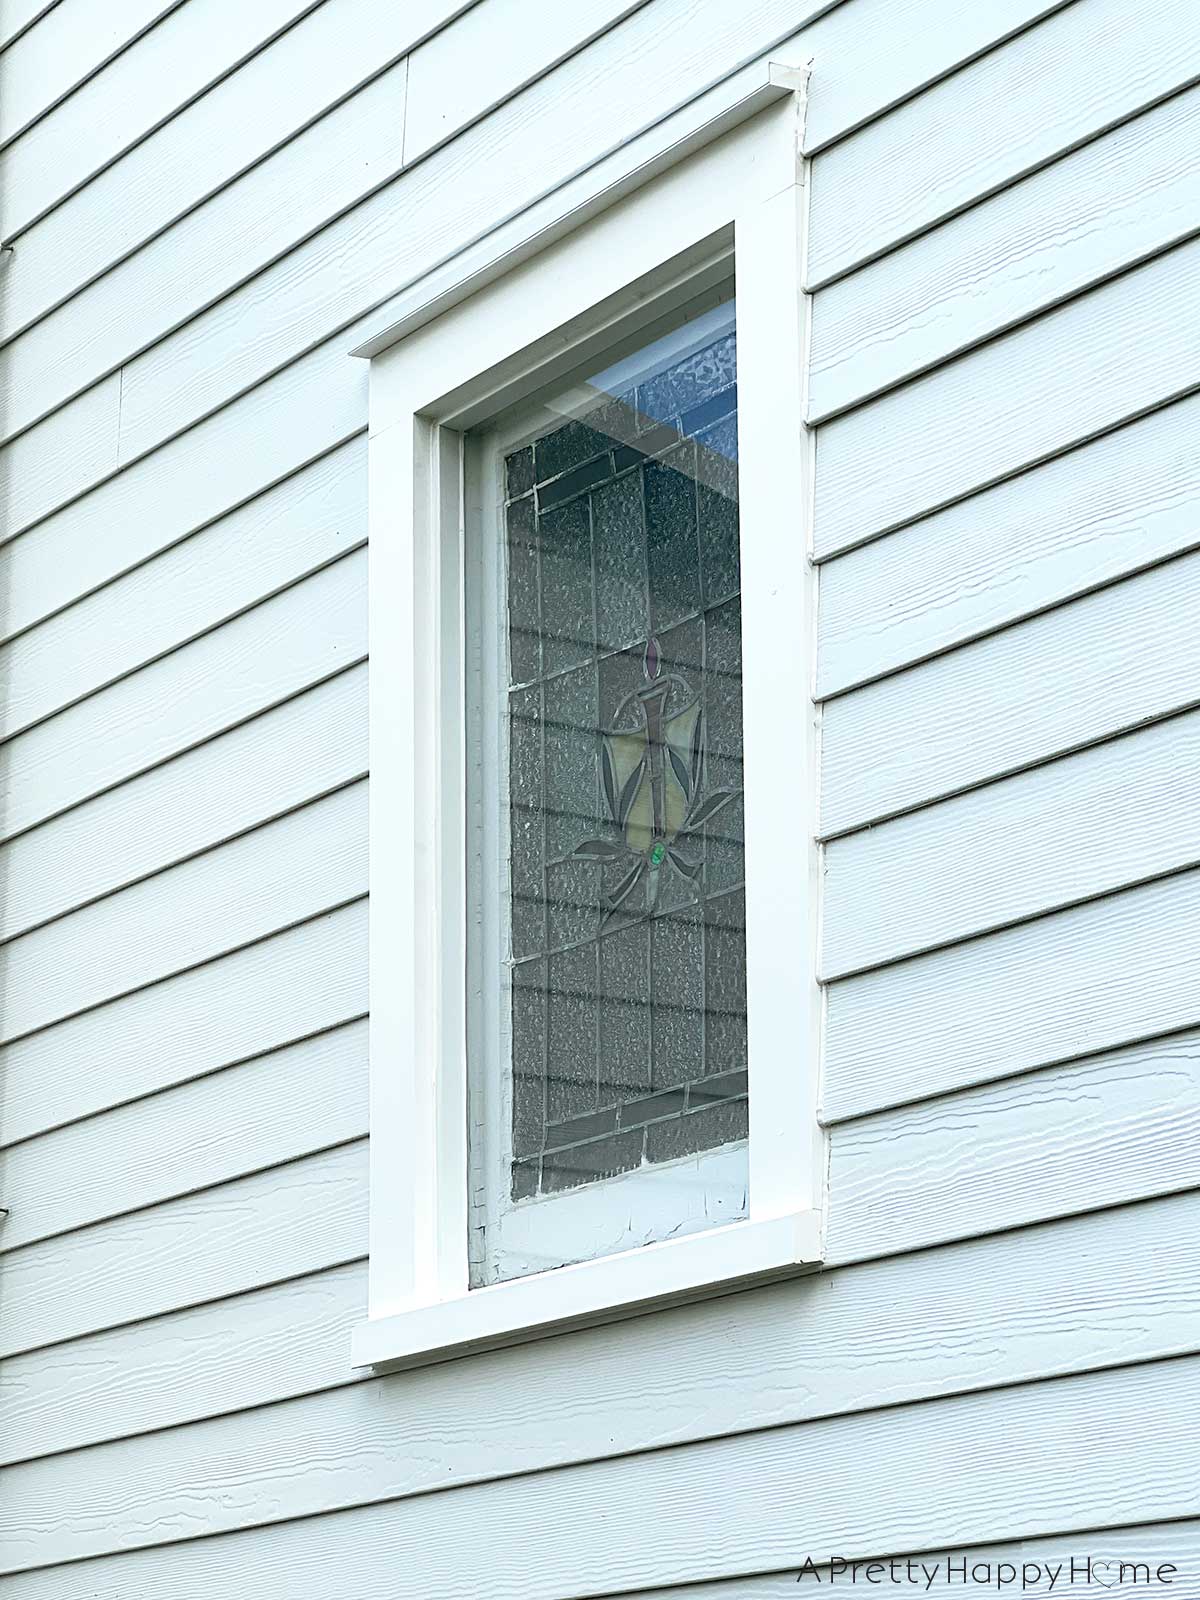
{"type": "Point", "coordinates": [611, 1035]}
{"type": "Point", "coordinates": [595, 1019]}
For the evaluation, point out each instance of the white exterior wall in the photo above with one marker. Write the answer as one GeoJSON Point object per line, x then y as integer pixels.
{"type": "Point", "coordinates": [209, 203]}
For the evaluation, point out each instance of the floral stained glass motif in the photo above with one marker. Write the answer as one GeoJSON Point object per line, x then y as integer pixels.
{"type": "Point", "coordinates": [627, 927]}
{"type": "Point", "coordinates": [653, 785]}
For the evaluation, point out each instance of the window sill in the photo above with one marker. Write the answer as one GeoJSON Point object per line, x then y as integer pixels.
{"type": "Point", "coordinates": [612, 1288]}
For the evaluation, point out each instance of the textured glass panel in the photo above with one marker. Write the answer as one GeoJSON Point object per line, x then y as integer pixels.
{"type": "Point", "coordinates": [571, 1050]}
{"type": "Point", "coordinates": [627, 939]}
{"type": "Point", "coordinates": [565, 544]}
{"type": "Point", "coordinates": [672, 548]}
{"type": "Point", "coordinates": [620, 543]}
{"type": "Point", "coordinates": [527, 821]}
{"type": "Point", "coordinates": [524, 618]}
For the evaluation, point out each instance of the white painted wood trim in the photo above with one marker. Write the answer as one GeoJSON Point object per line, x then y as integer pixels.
{"type": "Point", "coordinates": [622, 266]}
{"type": "Point", "coordinates": [583, 196]}
{"type": "Point", "coordinates": [647, 1279]}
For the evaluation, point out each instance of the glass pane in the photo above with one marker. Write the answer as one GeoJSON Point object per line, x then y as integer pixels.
{"type": "Point", "coordinates": [624, 955]}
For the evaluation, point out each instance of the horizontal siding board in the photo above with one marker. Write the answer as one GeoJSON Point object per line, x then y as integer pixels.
{"type": "Point", "coordinates": [1111, 355]}
{"type": "Point", "coordinates": [1156, 1545]}
{"type": "Point", "coordinates": [256, 1230]}
{"type": "Point", "coordinates": [285, 988]}
{"type": "Point", "coordinates": [309, 409]}
{"type": "Point", "coordinates": [247, 225]}
{"type": "Point", "coordinates": [1118, 814]}
{"type": "Point", "coordinates": [262, 1113]}
{"type": "Point", "coordinates": [1007, 1464]}
{"type": "Point", "coordinates": [291, 531]}
{"type": "Point", "coordinates": [1117, 201]}
{"type": "Point", "coordinates": [17, 15]}
{"type": "Point", "coordinates": [64, 48]}
{"type": "Point", "coordinates": [1110, 661]}
{"type": "Point", "coordinates": [489, 53]}
{"type": "Point", "coordinates": [286, 872]}
{"type": "Point", "coordinates": [1123, 502]}
{"type": "Point", "coordinates": [292, 1339]}
{"type": "Point", "coordinates": [319, 173]}
{"type": "Point", "coordinates": [1108, 1290]}
{"type": "Point", "coordinates": [1077, 981]}
{"type": "Point", "coordinates": [1007, 1310]}
{"type": "Point", "coordinates": [200, 84]}
{"type": "Point", "coordinates": [265, 656]}
{"type": "Point", "coordinates": [637, 73]}
{"type": "Point", "coordinates": [297, 752]}
{"type": "Point", "coordinates": [1016, 108]}
{"type": "Point", "coordinates": [1151, 1546]}
{"type": "Point", "coordinates": [640, 70]}
{"type": "Point", "coordinates": [1086, 1135]}
{"type": "Point", "coordinates": [61, 458]}
{"type": "Point", "coordinates": [871, 59]}
{"type": "Point", "coordinates": [245, 116]}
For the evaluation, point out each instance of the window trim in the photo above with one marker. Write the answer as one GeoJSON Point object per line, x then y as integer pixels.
{"type": "Point", "coordinates": [619, 269]}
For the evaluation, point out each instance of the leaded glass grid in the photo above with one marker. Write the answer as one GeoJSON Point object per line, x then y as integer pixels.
{"type": "Point", "coordinates": [627, 927]}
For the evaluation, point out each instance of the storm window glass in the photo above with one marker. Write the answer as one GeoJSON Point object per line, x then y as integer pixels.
{"type": "Point", "coordinates": [613, 1109]}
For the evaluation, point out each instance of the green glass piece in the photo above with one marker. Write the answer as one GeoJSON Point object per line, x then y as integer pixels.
{"type": "Point", "coordinates": [657, 854]}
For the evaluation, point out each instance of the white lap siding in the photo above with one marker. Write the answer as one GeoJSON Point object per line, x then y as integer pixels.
{"type": "Point", "coordinates": [208, 205]}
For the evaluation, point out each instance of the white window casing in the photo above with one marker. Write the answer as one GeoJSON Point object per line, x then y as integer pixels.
{"type": "Point", "coordinates": [722, 179]}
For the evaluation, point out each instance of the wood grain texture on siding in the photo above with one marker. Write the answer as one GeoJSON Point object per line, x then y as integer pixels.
{"type": "Point", "coordinates": [1157, 1544]}
{"type": "Point", "coordinates": [1120, 813]}
{"type": "Point", "coordinates": [309, 861]}
{"type": "Point", "coordinates": [65, 47]}
{"type": "Point", "coordinates": [270, 542]}
{"type": "Point", "coordinates": [1100, 975]}
{"type": "Point", "coordinates": [290, 1338]}
{"type": "Point", "coordinates": [17, 15]}
{"type": "Point", "coordinates": [260, 1114]}
{"type": "Point", "coordinates": [129, 198]}
{"type": "Point", "coordinates": [1082, 1136]}
{"type": "Point", "coordinates": [872, 55]}
{"type": "Point", "coordinates": [316, 175]}
{"type": "Point", "coordinates": [1121, 503]}
{"type": "Point", "coordinates": [833, 1346]}
{"type": "Point", "coordinates": [536, 140]}
{"type": "Point", "coordinates": [1117, 201]}
{"type": "Point", "coordinates": [331, 164]}
{"type": "Point", "coordinates": [271, 994]}
{"type": "Point", "coordinates": [859, 1338]}
{"type": "Point", "coordinates": [257, 1230]}
{"type": "Point", "coordinates": [309, 409]}
{"type": "Point", "coordinates": [640, 71]}
{"type": "Point", "coordinates": [60, 458]}
{"type": "Point", "coordinates": [1007, 1464]}
{"type": "Point", "coordinates": [1111, 355]}
{"type": "Point", "coordinates": [263, 768]}
{"type": "Point", "coordinates": [1110, 661]}
{"type": "Point", "coordinates": [261, 658]}
{"type": "Point", "coordinates": [1014, 109]}
{"type": "Point", "coordinates": [489, 53]}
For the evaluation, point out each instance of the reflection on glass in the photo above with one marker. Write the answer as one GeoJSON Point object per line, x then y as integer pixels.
{"type": "Point", "coordinates": [627, 936]}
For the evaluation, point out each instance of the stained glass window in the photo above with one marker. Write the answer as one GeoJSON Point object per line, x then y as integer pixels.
{"type": "Point", "coordinates": [625, 959]}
